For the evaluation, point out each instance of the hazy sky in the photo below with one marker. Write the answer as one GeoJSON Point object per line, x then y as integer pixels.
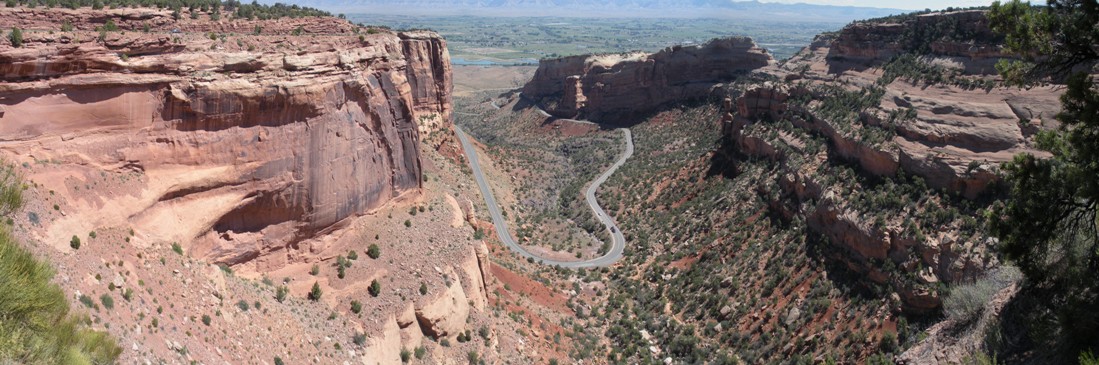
{"type": "Point", "coordinates": [896, 4]}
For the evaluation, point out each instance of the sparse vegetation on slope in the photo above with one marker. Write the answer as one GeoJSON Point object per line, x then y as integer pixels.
{"type": "Point", "coordinates": [36, 326]}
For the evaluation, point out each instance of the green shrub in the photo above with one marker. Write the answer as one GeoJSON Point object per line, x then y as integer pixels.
{"type": "Point", "coordinates": [423, 289]}
{"type": "Point", "coordinates": [406, 356]}
{"type": "Point", "coordinates": [352, 255]}
{"type": "Point", "coordinates": [107, 300]}
{"type": "Point", "coordinates": [87, 301]}
{"type": "Point", "coordinates": [374, 251]}
{"type": "Point", "coordinates": [315, 293]}
{"type": "Point", "coordinates": [278, 361]}
{"type": "Point", "coordinates": [16, 37]}
{"type": "Point", "coordinates": [75, 242]}
{"type": "Point", "coordinates": [280, 293]}
{"type": "Point", "coordinates": [206, 319]}
{"type": "Point", "coordinates": [356, 307]}
{"type": "Point", "coordinates": [91, 235]}
{"type": "Point", "coordinates": [243, 305]}
{"type": "Point", "coordinates": [316, 270]}
{"type": "Point", "coordinates": [419, 352]}
{"type": "Point", "coordinates": [407, 223]}
{"type": "Point", "coordinates": [359, 339]}
{"type": "Point", "coordinates": [965, 302]}
{"type": "Point", "coordinates": [375, 288]}
{"type": "Point", "coordinates": [177, 248]}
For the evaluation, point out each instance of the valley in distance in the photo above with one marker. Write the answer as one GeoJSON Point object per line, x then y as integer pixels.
{"type": "Point", "coordinates": [563, 182]}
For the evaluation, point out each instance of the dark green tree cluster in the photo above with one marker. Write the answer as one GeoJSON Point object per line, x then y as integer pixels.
{"type": "Point", "coordinates": [253, 10]}
{"type": "Point", "coordinates": [1049, 225]}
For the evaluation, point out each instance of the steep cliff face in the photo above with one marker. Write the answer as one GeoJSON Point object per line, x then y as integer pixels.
{"type": "Point", "coordinates": [911, 96]}
{"type": "Point", "coordinates": [964, 36]}
{"type": "Point", "coordinates": [247, 144]}
{"type": "Point", "coordinates": [616, 87]}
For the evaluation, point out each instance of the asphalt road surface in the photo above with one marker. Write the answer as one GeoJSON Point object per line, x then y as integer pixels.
{"type": "Point", "coordinates": [618, 241]}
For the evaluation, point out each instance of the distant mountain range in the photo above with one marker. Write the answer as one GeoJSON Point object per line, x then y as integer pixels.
{"type": "Point", "coordinates": [608, 8]}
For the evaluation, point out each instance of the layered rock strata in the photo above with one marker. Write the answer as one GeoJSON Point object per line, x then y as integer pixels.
{"type": "Point", "coordinates": [951, 135]}
{"type": "Point", "coordinates": [616, 87]}
{"type": "Point", "coordinates": [247, 144]}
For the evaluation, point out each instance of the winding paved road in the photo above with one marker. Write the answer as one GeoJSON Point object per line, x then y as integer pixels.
{"type": "Point", "coordinates": [618, 241]}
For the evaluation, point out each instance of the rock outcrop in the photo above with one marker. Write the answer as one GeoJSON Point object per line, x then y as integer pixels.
{"type": "Point", "coordinates": [947, 132]}
{"type": "Point", "coordinates": [950, 134]}
{"type": "Point", "coordinates": [247, 144]}
{"type": "Point", "coordinates": [963, 36]}
{"type": "Point", "coordinates": [614, 88]}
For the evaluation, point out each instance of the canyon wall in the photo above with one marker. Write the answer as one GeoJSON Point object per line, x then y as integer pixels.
{"type": "Point", "coordinates": [616, 87]}
{"type": "Point", "coordinates": [246, 144]}
{"type": "Point", "coordinates": [963, 36]}
{"type": "Point", "coordinates": [916, 96]}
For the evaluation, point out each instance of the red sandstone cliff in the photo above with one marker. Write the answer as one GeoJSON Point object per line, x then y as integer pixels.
{"type": "Point", "coordinates": [617, 87]}
{"type": "Point", "coordinates": [961, 36]}
{"type": "Point", "coordinates": [247, 143]}
{"type": "Point", "coordinates": [946, 131]}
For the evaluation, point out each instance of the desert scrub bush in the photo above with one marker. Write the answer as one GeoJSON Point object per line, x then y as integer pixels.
{"type": "Point", "coordinates": [406, 355]}
{"type": "Point", "coordinates": [278, 361]}
{"type": "Point", "coordinates": [206, 319]}
{"type": "Point", "coordinates": [280, 293]}
{"type": "Point", "coordinates": [965, 303]}
{"type": "Point", "coordinates": [375, 288]}
{"type": "Point", "coordinates": [107, 300]}
{"type": "Point", "coordinates": [243, 305]}
{"type": "Point", "coordinates": [352, 255]}
{"type": "Point", "coordinates": [177, 248]}
{"type": "Point", "coordinates": [315, 293]}
{"type": "Point", "coordinates": [315, 270]}
{"type": "Point", "coordinates": [374, 251]}
{"type": "Point", "coordinates": [356, 307]}
{"type": "Point", "coordinates": [16, 37]}
{"type": "Point", "coordinates": [75, 242]}
{"type": "Point", "coordinates": [419, 352]}
{"type": "Point", "coordinates": [35, 324]}
{"type": "Point", "coordinates": [11, 189]}
{"type": "Point", "coordinates": [359, 339]}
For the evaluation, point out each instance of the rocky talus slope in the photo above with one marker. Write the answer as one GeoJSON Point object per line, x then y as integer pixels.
{"type": "Point", "coordinates": [617, 87]}
{"type": "Point", "coordinates": [275, 149]}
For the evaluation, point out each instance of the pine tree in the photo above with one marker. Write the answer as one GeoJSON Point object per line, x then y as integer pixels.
{"type": "Point", "coordinates": [1049, 225]}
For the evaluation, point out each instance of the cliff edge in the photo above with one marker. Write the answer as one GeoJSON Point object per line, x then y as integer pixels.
{"type": "Point", "coordinates": [248, 137]}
